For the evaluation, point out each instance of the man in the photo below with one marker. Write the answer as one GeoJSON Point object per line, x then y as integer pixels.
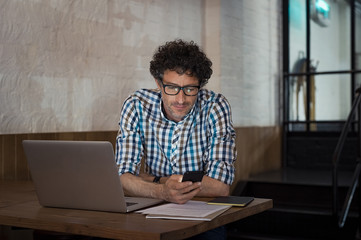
{"type": "Point", "coordinates": [177, 128]}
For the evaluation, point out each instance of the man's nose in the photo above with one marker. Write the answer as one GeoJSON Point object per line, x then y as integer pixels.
{"type": "Point", "coordinates": [180, 97]}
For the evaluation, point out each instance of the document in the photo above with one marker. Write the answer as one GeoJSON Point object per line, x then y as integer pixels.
{"type": "Point", "coordinates": [232, 201]}
{"type": "Point", "coordinates": [192, 210]}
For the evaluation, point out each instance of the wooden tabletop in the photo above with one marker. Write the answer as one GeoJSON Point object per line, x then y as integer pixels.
{"type": "Point", "coordinates": [19, 207]}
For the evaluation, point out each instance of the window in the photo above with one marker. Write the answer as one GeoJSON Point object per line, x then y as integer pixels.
{"type": "Point", "coordinates": [322, 63]}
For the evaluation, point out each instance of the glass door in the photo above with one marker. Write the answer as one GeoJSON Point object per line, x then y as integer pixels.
{"type": "Point", "coordinates": [323, 63]}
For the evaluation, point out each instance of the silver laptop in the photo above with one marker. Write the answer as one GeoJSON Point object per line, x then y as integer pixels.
{"type": "Point", "coordinates": [79, 175]}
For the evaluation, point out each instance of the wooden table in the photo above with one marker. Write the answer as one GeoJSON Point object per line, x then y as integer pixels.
{"type": "Point", "coordinates": [19, 207]}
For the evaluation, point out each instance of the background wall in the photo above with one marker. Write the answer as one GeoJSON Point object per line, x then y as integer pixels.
{"type": "Point", "coordinates": [68, 65]}
{"type": "Point", "coordinates": [251, 33]}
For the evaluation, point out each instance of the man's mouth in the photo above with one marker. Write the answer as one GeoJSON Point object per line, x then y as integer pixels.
{"type": "Point", "coordinates": [180, 106]}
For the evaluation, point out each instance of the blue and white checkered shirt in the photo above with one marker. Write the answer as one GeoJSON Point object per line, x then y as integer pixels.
{"type": "Point", "coordinates": [203, 140]}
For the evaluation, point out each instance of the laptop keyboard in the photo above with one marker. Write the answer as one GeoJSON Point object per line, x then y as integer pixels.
{"type": "Point", "coordinates": [130, 203]}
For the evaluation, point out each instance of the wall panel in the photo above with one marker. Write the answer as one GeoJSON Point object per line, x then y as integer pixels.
{"type": "Point", "coordinates": [259, 150]}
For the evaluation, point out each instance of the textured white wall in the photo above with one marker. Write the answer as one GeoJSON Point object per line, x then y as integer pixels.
{"type": "Point", "coordinates": [68, 65]}
{"type": "Point", "coordinates": [251, 60]}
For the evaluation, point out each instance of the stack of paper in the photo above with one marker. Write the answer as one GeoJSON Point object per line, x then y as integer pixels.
{"type": "Point", "coordinates": [192, 210]}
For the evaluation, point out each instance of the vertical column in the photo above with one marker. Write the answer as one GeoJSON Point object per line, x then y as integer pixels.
{"type": "Point", "coordinates": [212, 41]}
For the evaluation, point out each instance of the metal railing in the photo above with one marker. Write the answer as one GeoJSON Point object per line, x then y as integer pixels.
{"type": "Point", "coordinates": [336, 158]}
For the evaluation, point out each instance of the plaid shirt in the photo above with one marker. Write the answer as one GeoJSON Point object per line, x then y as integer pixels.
{"type": "Point", "coordinates": [203, 140]}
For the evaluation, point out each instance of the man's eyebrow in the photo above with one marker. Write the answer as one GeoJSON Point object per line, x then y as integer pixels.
{"type": "Point", "coordinates": [175, 85]}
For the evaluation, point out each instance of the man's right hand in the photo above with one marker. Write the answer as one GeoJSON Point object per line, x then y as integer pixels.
{"type": "Point", "coordinates": [174, 190]}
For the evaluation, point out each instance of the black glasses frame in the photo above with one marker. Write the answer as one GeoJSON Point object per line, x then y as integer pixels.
{"type": "Point", "coordinates": [179, 89]}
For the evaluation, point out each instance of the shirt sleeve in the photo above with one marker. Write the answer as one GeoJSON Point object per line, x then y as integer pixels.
{"type": "Point", "coordinates": [222, 146]}
{"type": "Point", "coordinates": [129, 149]}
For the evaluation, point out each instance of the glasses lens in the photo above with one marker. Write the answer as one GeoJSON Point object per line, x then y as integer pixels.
{"type": "Point", "coordinates": [190, 91]}
{"type": "Point", "coordinates": [171, 90]}
{"type": "Point", "coordinates": [174, 90]}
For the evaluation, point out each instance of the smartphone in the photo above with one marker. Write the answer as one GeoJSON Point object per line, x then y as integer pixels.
{"type": "Point", "coordinates": [193, 176]}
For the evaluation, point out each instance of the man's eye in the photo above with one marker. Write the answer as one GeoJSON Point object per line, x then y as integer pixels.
{"type": "Point", "coordinates": [190, 89]}
{"type": "Point", "coordinates": [173, 88]}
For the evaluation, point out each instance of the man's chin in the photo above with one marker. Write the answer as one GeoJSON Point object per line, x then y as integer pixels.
{"type": "Point", "coordinates": [179, 116]}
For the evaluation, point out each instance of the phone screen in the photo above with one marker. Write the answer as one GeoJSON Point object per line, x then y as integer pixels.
{"type": "Point", "coordinates": [193, 176]}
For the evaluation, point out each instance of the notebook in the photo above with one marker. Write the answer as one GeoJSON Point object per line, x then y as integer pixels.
{"type": "Point", "coordinates": [79, 175]}
{"type": "Point", "coordinates": [232, 201]}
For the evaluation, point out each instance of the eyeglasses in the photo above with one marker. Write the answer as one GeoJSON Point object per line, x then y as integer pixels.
{"type": "Point", "coordinates": [187, 90]}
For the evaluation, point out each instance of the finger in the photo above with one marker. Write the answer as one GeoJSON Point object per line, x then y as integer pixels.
{"type": "Point", "coordinates": [192, 187]}
{"type": "Point", "coordinates": [174, 191]}
{"type": "Point", "coordinates": [179, 185]}
{"type": "Point", "coordinates": [183, 198]}
{"type": "Point", "coordinates": [189, 195]}
{"type": "Point", "coordinates": [176, 177]}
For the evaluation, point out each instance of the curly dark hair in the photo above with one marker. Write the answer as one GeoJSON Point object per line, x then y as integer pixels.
{"type": "Point", "coordinates": [182, 57]}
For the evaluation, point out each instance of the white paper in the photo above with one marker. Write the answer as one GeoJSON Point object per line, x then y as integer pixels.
{"type": "Point", "coordinates": [193, 209]}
